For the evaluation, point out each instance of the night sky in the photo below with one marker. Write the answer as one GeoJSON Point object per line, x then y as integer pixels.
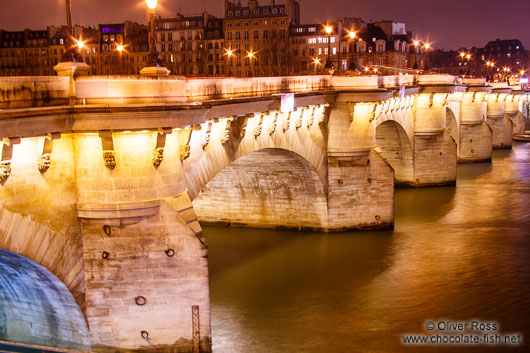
{"type": "Point", "coordinates": [448, 24]}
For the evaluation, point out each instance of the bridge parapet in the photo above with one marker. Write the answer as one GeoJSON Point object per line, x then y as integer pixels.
{"type": "Point", "coordinates": [23, 92]}
{"type": "Point", "coordinates": [34, 91]}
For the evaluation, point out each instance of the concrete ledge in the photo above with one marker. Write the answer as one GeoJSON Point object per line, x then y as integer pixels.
{"type": "Point", "coordinates": [472, 122]}
{"type": "Point", "coordinates": [431, 132]}
{"type": "Point", "coordinates": [371, 226]}
{"type": "Point", "coordinates": [471, 161]}
{"type": "Point", "coordinates": [119, 210]}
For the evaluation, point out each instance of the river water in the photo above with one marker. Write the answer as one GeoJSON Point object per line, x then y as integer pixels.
{"type": "Point", "coordinates": [458, 254]}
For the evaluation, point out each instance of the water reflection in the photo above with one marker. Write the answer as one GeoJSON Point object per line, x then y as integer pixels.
{"type": "Point", "coordinates": [457, 253]}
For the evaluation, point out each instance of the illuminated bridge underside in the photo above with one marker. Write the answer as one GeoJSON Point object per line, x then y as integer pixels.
{"type": "Point", "coordinates": [36, 307]}
{"type": "Point", "coordinates": [268, 188]}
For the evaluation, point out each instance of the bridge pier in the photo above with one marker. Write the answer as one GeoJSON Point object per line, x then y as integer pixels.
{"type": "Point", "coordinates": [475, 141]}
{"type": "Point", "coordinates": [500, 123]}
{"type": "Point", "coordinates": [144, 256]}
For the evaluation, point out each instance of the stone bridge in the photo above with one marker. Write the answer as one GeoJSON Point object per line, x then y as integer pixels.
{"type": "Point", "coordinates": [103, 182]}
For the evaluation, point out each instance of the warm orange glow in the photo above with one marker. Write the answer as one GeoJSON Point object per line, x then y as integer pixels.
{"type": "Point", "coordinates": [250, 55]}
{"type": "Point", "coordinates": [328, 29]}
{"type": "Point", "coordinates": [120, 48]}
{"type": "Point", "coordinates": [366, 69]}
{"type": "Point", "coordinates": [316, 61]}
{"type": "Point", "coordinates": [375, 69]}
{"type": "Point", "coordinates": [462, 54]}
{"type": "Point", "coordinates": [80, 44]}
{"type": "Point", "coordinates": [416, 43]}
{"type": "Point", "coordinates": [468, 56]}
{"type": "Point", "coordinates": [522, 72]}
{"type": "Point", "coordinates": [229, 52]}
{"type": "Point", "coordinates": [352, 35]}
{"type": "Point", "coordinates": [151, 4]}
{"type": "Point", "coordinates": [427, 45]}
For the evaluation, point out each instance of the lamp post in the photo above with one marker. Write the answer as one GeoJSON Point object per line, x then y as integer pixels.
{"type": "Point", "coordinates": [353, 66]}
{"type": "Point", "coordinates": [426, 65]}
{"type": "Point", "coordinates": [120, 49]}
{"type": "Point", "coordinates": [71, 53]}
{"type": "Point", "coordinates": [153, 59]}
{"type": "Point", "coordinates": [416, 43]}
{"type": "Point", "coordinates": [251, 56]}
{"type": "Point", "coordinates": [229, 53]}
{"type": "Point", "coordinates": [462, 55]}
{"type": "Point", "coordinates": [316, 62]}
{"type": "Point", "coordinates": [329, 63]}
{"type": "Point", "coordinates": [153, 66]}
{"type": "Point", "coordinates": [71, 62]}
{"type": "Point", "coordinates": [468, 59]}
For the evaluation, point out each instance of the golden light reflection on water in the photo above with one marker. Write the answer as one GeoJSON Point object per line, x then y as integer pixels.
{"type": "Point", "coordinates": [458, 253]}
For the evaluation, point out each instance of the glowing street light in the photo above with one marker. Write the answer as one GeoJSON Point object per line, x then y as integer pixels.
{"type": "Point", "coordinates": [71, 54]}
{"type": "Point", "coordinates": [416, 43]}
{"type": "Point", "coordinates": [352, 36]}
{"type": "Point", "coordinates": [426, 65]}
{"type": "Point", "coordinates": [151, 4]}
{"type": "Point", "coordinates": [329, 63]}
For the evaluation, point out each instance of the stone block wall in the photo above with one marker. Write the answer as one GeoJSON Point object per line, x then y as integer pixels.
{"type": "Point", "coordinates": [138, 242]}
{"type": "Point", "coordinates": [361, 193]}
{"type": "Point", "coordinates": [475, 143]}
{"type": "Point", "coordinates": [270, 188]}
{"type": "Point", "coordinates": [502, 131]}
{"type": "Point", "coordinates": [434, 160]}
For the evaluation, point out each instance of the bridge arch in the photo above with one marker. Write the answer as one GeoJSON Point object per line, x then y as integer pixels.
{"type": "Point", "coordinates": [397, 149]}
{"type": "Point", "coordinates": [296, 132]}
{"type": "Point", "coordinates": [60, 252]}
{"type": "Point", "coordinates": [36, 308]}
{"type": "Point", "coordinates": [271, 187]}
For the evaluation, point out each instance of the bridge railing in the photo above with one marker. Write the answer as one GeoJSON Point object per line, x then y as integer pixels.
{"type": "Point", "coordinates": [22, 92]}
{"type": "Point", "coordinates": [33, 91]}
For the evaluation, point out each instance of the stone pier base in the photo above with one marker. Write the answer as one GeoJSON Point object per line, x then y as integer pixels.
{"type": "Point", "coordinates": [502, 129]}
{"type": "Point", "coordinates": [475, 143]}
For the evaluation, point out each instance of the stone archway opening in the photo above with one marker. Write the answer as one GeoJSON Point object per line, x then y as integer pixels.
{"type": "Point", "coordinates": [396, 148]}
{"type": "Point", "coordinates": [36, 308]}
{"type": "Point", "coordinates": [451, 125]}
{"type": "Point", "coordinates": [269, 188]}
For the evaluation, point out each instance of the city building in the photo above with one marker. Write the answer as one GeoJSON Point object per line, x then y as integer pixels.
{"type": "Point", "coordinates": [310, 48]}
{"type": "Point", "coordinates": [257, 38]}
{"type": "Point", "coordinates": [123, 48]}
{"type": "Point", "coordinates": [191, 45]}
{"type": "Point", "coordinates": [385, 46]}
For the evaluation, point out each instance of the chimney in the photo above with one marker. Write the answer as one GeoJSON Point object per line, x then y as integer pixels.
{"type": "Point", "coordinates": [252, 4]}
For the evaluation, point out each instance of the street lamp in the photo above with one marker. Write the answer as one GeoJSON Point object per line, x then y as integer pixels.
{"type": "Point", "coordinates": [120, 49]}
{"type": "Point", "coordinates": [153, 66]}
{"type": "Point", "coordinates": [153, 59]}
{"type": "Point", "coordinates": [329, 62]}
{"type": "Point", "coordinates": [251, 56]}
{"type": "Point", "coordinates": [71, 53]}
{"type": "Point", "coordinates": [427, 46]}
{"type": "Point", "coordinates": [229, 53]}
{"type": "Point", "coordinates": [462, 55]}
{"type": "Point", "coordinates": [316, 62]}
{"type": "Point", "coordinates": [352, 35]}
{"type": "Point", "coordinates": [416, 43]}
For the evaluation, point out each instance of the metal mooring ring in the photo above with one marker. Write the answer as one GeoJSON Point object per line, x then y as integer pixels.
{"type": "Point", "coordinates": [170, 252]}
{"type": "Point", "coordinates": [105, 255]}
{"type": "Point", "coordinates": [140, 300]}
{"type": "Point", "coordinates": [106, 229]}
{"type": "Point", "coordinates": [145, 335]}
